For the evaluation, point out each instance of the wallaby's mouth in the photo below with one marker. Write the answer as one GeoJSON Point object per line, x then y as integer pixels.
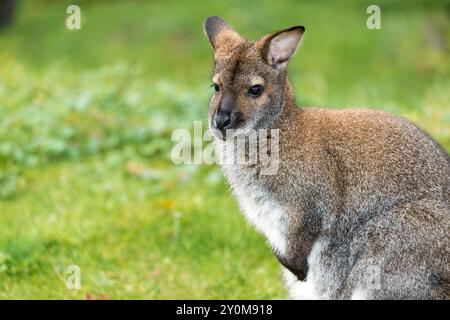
{"type": "Point", "coordinates": [222, 134]}
{"type": "Point", "coordinates": [230, 133]}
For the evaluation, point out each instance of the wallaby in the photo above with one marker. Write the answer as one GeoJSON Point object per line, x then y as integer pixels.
{"type": "Point", "coordinates": [359, 207]}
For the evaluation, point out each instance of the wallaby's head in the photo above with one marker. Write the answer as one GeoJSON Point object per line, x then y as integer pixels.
{"type": "Point", "coordinates": [249, 78]}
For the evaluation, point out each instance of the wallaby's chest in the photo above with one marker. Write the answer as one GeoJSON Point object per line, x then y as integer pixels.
{"type": "Point", "coordinates": [259, 206]}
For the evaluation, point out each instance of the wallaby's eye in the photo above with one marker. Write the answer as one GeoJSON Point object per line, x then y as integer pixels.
{"type": "Point", "coordinates": [216, 87]}
{"type": "Point", "coordinates": [255, 91]}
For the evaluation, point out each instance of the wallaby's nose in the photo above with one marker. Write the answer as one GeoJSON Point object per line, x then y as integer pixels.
{"type": "Point", "coordinates": [224, 117]}
{"type": "Point", "coordinates": [223, 120]}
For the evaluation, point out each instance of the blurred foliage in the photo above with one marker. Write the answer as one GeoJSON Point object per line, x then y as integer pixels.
{"type": "Point", "coordinates": [86, 118]}
{"type": "Point", "coordinates": [53, 116]}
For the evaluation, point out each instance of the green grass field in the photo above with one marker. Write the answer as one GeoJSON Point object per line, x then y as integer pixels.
{"type": "Point", "coordinates": [86, 118]}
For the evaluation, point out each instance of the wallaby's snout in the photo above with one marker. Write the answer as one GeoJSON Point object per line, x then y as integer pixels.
{"type": "Point", "coordinates": [249, 78]}
{"type": "Point", "coordinates": [226, 115]}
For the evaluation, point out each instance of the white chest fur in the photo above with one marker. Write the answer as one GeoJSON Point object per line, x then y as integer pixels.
{"type": "Point", "coordinates": [258, 205]}
{"type": "Point", "coordinates": [264, 213]}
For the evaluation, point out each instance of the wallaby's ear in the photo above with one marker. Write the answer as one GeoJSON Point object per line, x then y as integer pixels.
{"type": "Point", "coordinates": [219, 33]}
{"type": "Point", "coordinates": [281, 46]}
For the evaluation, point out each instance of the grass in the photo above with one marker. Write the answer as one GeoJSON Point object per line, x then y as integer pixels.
{"type": "Point", "coordinates": [86, 118]}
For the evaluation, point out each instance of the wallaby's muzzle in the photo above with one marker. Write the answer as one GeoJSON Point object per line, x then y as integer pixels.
{"type": "Point", "coordinates": [223, 121]}
{"type": "Point", "coordinates": [225, 117]}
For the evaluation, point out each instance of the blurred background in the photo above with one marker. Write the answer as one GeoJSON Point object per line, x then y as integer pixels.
{"type": "Point", "coordinates": [86, 118]}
